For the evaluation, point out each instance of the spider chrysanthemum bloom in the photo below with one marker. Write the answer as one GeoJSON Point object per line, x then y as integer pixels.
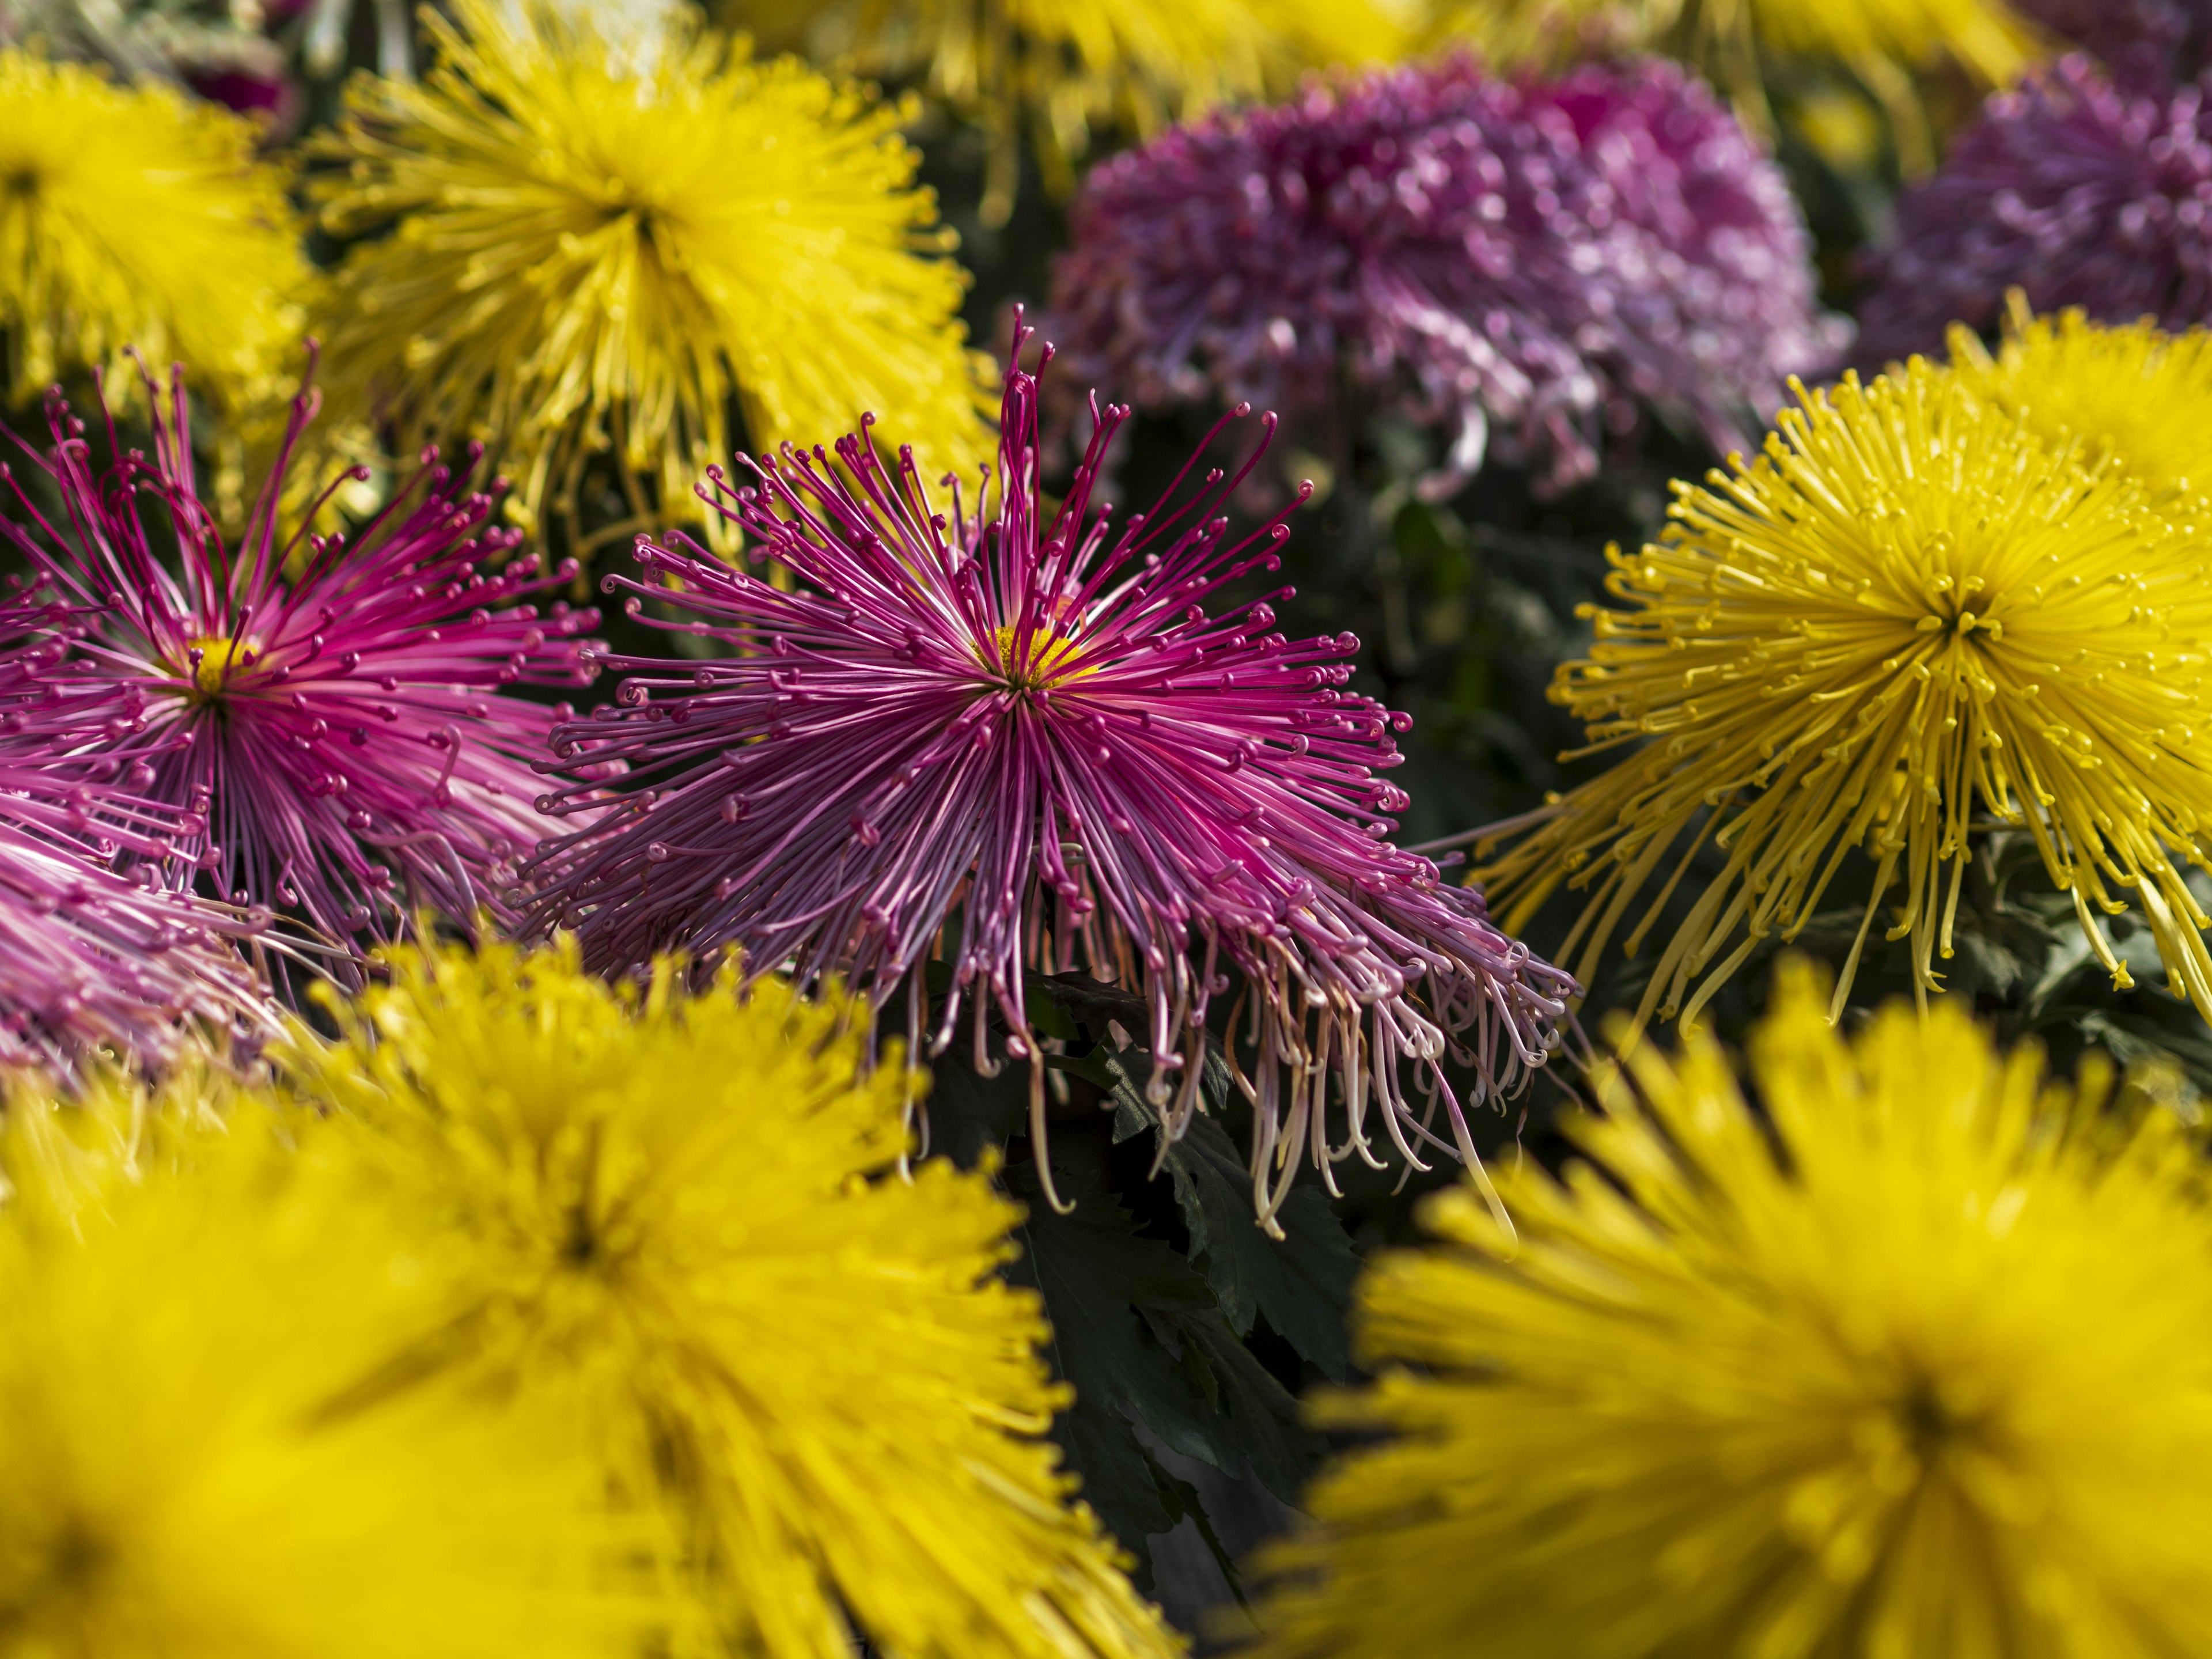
{"type": "Point", "coordinates": [1913, 1365]}
{"type": "Point", "coordinates": [593, 246]}
{"type": "Point", "coordinates": [181, 1474]}
{"type": "Point", "coordinates": [1908, 611]}
{"type": "Point", "coordinates": [2131, 392]}
{"type": "Point", "coordinates": [1027, 720]}
{"type": "Point", "coordinates": [682, 1215]}
{"type": "Point", "coordinates": [1071, 68]}
{"type": "Point", "coordinates": [136, 216]}
{"type": "Point", "coordinates": [1534, 258]}
{"type": "Point", "coordinates": [2077, 193]}
{"type": "Point", "coordinates": [328, 709]}
{"type": "Point", "coordinates": [92, 962]}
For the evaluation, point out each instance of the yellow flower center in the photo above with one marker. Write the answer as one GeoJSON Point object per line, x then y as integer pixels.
{"type": "Point", "coordinates": [210, 660]}
{"type": "Point", "coordinates": [1035, 669]}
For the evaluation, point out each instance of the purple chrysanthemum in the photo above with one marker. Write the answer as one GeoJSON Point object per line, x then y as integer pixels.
{"type": "Point", "coordinates": [1031, 723]}
{"type": "Point", "coordinates": [2075, 191]}
{"type": "Point", "coordinates": [1535, 256]}
{"type": "Point", "coordinates": [327, 708]}
{"type": "Point", "coordinates": [89, 959]}
{"type": "Point", "coordinates": [2144, 43]}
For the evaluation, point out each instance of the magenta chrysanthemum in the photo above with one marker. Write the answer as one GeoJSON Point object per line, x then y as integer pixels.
{"type": "Point", "coordinates": [1538, 258]}
{"type": "Point", "coordinates": [2068, 188]}
{"type": "Point", "coordinates": [327, 710]}
{"type": "Point", "coordinates": [89, 959]}
{"type": "Point", "coordinates": [1012, 742]}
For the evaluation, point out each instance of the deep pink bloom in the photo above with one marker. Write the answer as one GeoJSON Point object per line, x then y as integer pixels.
{"type": "Point", "coordinates": [1016, 741]}
{"type": "Point", "coordinates": [89, 959]}
{"type": "Point", "coordinates": [328, 709]}
{"type": "Point", "coordinates": [1525, 260]}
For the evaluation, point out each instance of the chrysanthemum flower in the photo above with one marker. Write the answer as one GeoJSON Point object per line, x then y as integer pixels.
{"type": "Point", "coordinates": [136, 216]}
{"type": "Point", "coordinates": [593, 246]}
{"type": "Point", "coordinates": [672, 1212]}
{"type": "Point", "coordinates": [181, 1476]}
{"type": "Point", "coordinates": [2150, 43]}
{"type": "Point", "coordinates": [1029, 720]}
{"type": "Point", "coordinates": [1906, 609]}
{"type": "Point", "coordinates": [1879, 37]}
{"type": "Point", "coordinates": [1915, 1364]}
{"type": "Point", "coordinates": [1538, 255]}
{"type": "Point", "coordinates": [328, 710]}
{"type": "Point", "coordinates": [2133, 393]}
{"type": "Point", "coordinates": [91, 961]}
{"type": "Point", "coordinates": [1075, 67]}
{"type": "Point", "coordinates": [2069, 189]}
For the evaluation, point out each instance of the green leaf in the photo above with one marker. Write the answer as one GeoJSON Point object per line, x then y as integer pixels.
{"type": "Point", "coordinates": [1302, 1282]}
{"type": "Point", "coordinates": [1137, 1333]}
{"type": "Point", "coordinates": [968, 1113]}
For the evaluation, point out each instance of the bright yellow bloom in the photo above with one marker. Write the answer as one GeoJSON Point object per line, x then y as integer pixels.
{"type": "Point", "coordinates": [1906, 609]}
{"type": "Point", "coordinates": [686, 1216]}
{"type": "Point", "coordinates": [137, 216]}
{"type": "Point", "coordinates": [1919, 1369]}
{"type": "Point", "coordinates": [1980, 34]}
{"type": "Point", "coordinates": [597, 244]}
{"type": "Point", "coordinates": [1075, 65]}
{"type": "Point", "coordinates": [1736, 42]}
{"type": "Point", "coordinates": [180, 1476]}
{"type": "Point", "coordinates": [2139, 396]}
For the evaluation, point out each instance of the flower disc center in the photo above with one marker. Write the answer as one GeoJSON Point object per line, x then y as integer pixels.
{"type": "Point", "coordinates": [1040, 665]}
{"type": "Point", "coordinates": [208, 663]}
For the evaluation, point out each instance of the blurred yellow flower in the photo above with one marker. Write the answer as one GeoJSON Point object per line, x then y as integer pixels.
{"type": "Point", "coordinates": [599, 242]}
{"type": "Point", "coordinates": [1917, 1364]}
{"type": "Point", "coordinates": [684, 1215]}
{"type": "Point", "coordinates": [1736, 42]}
{"type": "Point", "coordinates": [1072, 66]}
{"type": "Point", "coordinates": [137, 216]}
{"type": "Point", "coordinates": [2130, 393]}
{"type": "Point", "coordinates": [180, 1477]}
{"type": "Point", "coordinates": [1906, 610]}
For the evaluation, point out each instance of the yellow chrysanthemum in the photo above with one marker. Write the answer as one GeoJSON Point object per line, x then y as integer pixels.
{"type": "Point", "coordinates": [2134, 393]}
{"type": "Point", "coordinates": [179, 1478]}
{"type": "Point", "coordinates": [1906, 607]}
{"type": "Point", "coordinates": [1918, 1366]}
{"type": "Point", "coordinates": [599, 245]}
{"type": "Point", "coordinates": [1073, 66]}
{"type": "Point", "coordinates": [1881, 42]}
{"type": "Point", "coordinates": [134, 216]}
{"type": "Point", "coordinates": [684, 1214]}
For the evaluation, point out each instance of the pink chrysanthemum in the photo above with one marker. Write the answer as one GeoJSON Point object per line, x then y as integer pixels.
{"type": "Point", "coordinates": [327, 710]}
{"type": "Point", "coordinates": [88, 958]}
{"type": "Point", "coordinates": [1013, 741]}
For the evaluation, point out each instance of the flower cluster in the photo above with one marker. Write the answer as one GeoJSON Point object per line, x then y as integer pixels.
{"type": "Point", "coordinates": [2075, 191]}
{"type": "Point", "coordinates": [1912, 1362]}
{"type": "Point", "coordinates": [1907, 607]}
{"type": "Point", "coordinates": [530, 1318]}
{"type": "Point", "coordinates": [1028, 718]}
{"type": "Point", "coordinates": [594, 247]}
{"type": "Point", "coordinates": [323, 712]}
{"type": "Point", "coordinates": [1539, 256]}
